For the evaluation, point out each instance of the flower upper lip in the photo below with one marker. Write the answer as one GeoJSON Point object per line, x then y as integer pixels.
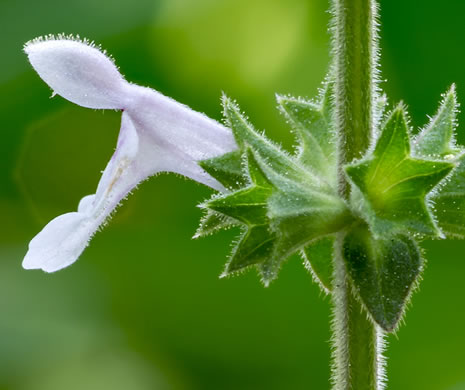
{"type": "Point", "coordinates": [157, 134]}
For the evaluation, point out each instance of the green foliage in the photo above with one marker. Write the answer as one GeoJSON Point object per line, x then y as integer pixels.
{"type": "Point", "coordinates": [383, 272]}
{"type": "Point", "coordinates": [403, 190]}
{"type": "Point", "coordinates": [316, 256]}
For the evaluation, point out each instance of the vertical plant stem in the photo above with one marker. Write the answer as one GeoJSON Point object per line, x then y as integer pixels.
{"type": "Point", "coordinates": [355, 53]}
{"type": "Point", "coordinates": [357, 342]}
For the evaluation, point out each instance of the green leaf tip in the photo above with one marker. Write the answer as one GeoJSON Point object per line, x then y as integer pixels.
{"type": "Point", "coordinates": [384, 273]}
{"type": "Point", "coordinates": [390, 186]}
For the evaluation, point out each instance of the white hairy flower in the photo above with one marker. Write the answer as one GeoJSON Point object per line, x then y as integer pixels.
{"type": "Point", "coordinates": [157, 134]}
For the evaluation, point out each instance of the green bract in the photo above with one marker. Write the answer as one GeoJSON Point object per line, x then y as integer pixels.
{"type": "Point", "coordinates": [404, 189]}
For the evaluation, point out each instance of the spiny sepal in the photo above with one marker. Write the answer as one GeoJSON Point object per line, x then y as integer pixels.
{"type": "Point", "coordinates": [390, 185]}
{"type": "Point", "coordinates": [383, 271]}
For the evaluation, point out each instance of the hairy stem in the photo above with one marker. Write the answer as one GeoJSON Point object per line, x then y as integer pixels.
{"type": "Point", "coordinates": [355, 53]}
{"type": "Point", "coordinates": [357, 342]}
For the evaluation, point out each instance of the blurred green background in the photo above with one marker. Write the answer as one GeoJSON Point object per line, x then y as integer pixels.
{"type": "Point", "coordinates": [143, 308]}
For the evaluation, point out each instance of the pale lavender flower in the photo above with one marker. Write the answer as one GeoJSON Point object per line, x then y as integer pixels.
{"type": "Point", "coordinates": [157, 134]}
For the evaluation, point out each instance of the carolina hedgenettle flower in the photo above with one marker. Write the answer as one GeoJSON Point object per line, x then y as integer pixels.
{"type": "Point", "coordinates": [157, 134]}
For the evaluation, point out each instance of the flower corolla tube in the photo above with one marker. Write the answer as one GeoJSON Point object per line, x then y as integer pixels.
{"type": "Point", "coordinates": [157, 134]}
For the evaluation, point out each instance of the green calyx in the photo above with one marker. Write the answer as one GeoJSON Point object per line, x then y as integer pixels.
{"type": "Point", "coordinates": [390, 185]}
{"type": "Point", "coordinates": [403, 190]}
{"type": "Point", "coordinates": [283, 202]}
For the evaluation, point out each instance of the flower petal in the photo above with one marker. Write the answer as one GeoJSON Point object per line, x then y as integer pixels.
{"type": "Point", "coordinates": [175, 124]}
{"type": "Point", "coordinates": [64, 238]}
{"type": "Point", "coordinates": [182, 135]}
{"type": "Point", "coordinates": [59, 244]}
{"type": "Point", "coordinates": [77, 71]}
{"type": "Point", "coordinates": [117, 169]}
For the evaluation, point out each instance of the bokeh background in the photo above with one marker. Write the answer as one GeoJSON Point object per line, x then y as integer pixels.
{"type": "Point", "coordinates": [143, 308]}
